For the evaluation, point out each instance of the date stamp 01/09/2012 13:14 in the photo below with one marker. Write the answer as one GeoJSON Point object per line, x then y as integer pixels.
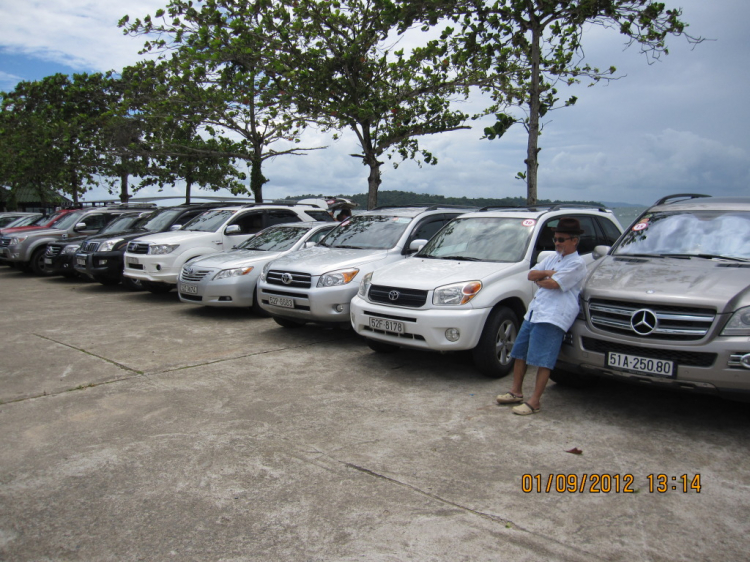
{"type": "Point", "coordinates": [607, 483]}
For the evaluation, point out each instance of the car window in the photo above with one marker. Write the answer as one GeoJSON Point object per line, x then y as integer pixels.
{"type": "Point", "coordinates": [95, 222]}
{"type": "Point", "coordinates": [320, 215]}
{"type": "Point", "coordinates": [249, 223]}
{"type": "Point", "coordinates": [495, 239]}
{"type": "Point", "coordinates": [68, 220]}
{"type": "Point", "coordinates": [587, 240]}
{"type": "Point", "coordinates": [274, 239]}
{"type": "Point", "coordinates": [161, 220]}
{"type": "Point", "coordinates": [428, 227]}
{"type": "Point", "coordinates": [368, 232]}
{"type": "Point", "coordinates": [210, 221]}
{"type": "Point", "coordinates": [320, 234]}
{"type": "Point", "coordinates": [123, 222]}
{"type": "Point", "coordinates": [611, 232]}
{"type": "Point", "coordinates": [281, 216]}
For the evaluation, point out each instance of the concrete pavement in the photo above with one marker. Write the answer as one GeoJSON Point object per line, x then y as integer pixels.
{"type": "Point", "coordinates": [135, 427]}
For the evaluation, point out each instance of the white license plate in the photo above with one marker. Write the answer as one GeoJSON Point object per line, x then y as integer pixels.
{"type": "Point", "coordinates": [47, 261]}
{"type": "Point", "coordinates": [637, 364]}
{"type": "Point", "coordinates": [387, 325]}
{"type": "Point", "coordinates": [188, 289]}
{"type": "Point", "coordinates": [128, 259]}
{"type": "Point", "coordinates": [81, 261]}
{"type": "Point", "coordinates": [4, 251]}
{"type": "Point", "coordinates": [281, 301]}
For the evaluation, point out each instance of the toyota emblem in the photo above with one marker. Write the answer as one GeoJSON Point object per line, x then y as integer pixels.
{"type": "Point", "coordinates": [393, 295]}
{"type": "Point", "coordinates": [188, 270]}
{"type": "Point", "coordinates": [286, 278]}
{"type": "Point", "coordinates": [644, 322]}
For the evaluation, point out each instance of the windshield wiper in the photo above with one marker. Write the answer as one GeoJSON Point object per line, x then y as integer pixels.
{"type": "Point", "coordinates": [349, 247]}
{"type": "Point", "coordinates": [629, 255]}
{"type": "Point", "coordinates": [719, 257]}
{"type": "Point", "coordinates": [459, 258]}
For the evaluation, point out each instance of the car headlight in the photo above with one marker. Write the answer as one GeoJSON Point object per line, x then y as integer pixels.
{"type": "Point", "coordinates": [265, 270]}
{"type": "Point", "coordinates": [17, 240]}
{"type": "Point", "coordinates": [236, 272]}
{"type": "Point", "coordinates": [739, 323]}
{"type": "Point", "coordinates": [456, 293]}
{"type": "Point", "coordinates": [158, 249]}
{"type": "Point", "coordinates": [340, 277]}
{"type": "Point", "coordinates": [71, 249]}
{"type": "Point", "coordinates": [109, 245]}
{"type": "Point", "coordinates": [364, 285]}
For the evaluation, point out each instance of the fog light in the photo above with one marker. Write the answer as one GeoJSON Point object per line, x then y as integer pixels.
{"type": "Point", "coordinates": [452, 334]}
{"type": "Point", "coordinates": [158, 267]}
{"type": "Point", "coordinates": [339, 308]}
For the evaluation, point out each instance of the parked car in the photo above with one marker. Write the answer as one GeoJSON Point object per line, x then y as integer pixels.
{"type": "Point", "coordinates": [40, 223]}
{"type": "Point", "coordinates": [228, 279]}
{"type": "Point", "coordinates": [317, 284]}
{"type": "Point", "coordinates": [26, 249]}
{"type": "Point", "coordinates": [102, 256]}
{"type": "Point", "coordinates": [668, 305]}
{"type": "Point", "coordinates": [60, 257]}
{"type": "Point", "coordinates": [8, 218]}
{"type": "Point", "coordinates": [467, 289]}
{"type": "Point", "coordinates": [156, 260]}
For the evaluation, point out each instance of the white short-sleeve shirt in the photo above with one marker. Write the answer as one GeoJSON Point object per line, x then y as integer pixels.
{"type": "Point", "coordinates": [559, 306]}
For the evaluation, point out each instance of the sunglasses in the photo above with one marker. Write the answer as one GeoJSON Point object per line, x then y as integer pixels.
{"type": "Point", "coordinates": [559, 239]}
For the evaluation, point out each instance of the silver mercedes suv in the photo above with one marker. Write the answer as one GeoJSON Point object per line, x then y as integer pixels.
{"type": "Point", "coordinates": [669, 303]}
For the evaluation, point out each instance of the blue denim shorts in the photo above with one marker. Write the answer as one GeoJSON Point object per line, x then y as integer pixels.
{"type": "Point", "coordinates": [538, 343]}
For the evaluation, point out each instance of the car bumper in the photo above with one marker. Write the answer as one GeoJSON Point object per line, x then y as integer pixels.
{"type": "Point", "coordinates": [232, 292]}
{"type": "Point", "coordinates": [423, 328]}
{"type": "Point", "coordinates": [713, 367]}
{"type": "Point", "coordinates": [99, 264]}
{"type": "Point", "coordinates": [155, 269]}
{"type": "Point", "coordinates": [59, 265]}
{"type": "Point", "coordinates": [316, 304]}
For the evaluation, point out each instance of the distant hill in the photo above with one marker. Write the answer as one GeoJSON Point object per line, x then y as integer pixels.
{"type": "Point", "coordinates": [408, 198]}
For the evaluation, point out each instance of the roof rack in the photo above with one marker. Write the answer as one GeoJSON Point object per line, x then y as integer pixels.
{"type": "Point", "coordinates": [680, 196]}
{"type": "Point", "coordinates": [547, 208]}
{"type": "Point", "coordinates": [426, 206]}
{"type": "Point", "coordinates": [131, 206]}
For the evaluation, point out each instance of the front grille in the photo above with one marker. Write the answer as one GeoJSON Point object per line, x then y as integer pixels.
{"type": "Point", "coordinates": [193, 275]}
{"type": "Point", "coordinates": [53, 251]}
{"type": "Point", "coordinates": [687, 358]}
{"type": "Point", "coordinates": [4, 242]}
{"type": "Point", "coordinates": [295, 279]}
{"type": "Point", "coordinates": [137, 248]}
{"type": "Point", "coordinates": [89, 247]}
{"type": "Point", "coordinates": [674, 323]}
{"type": "Point", "coordinates": [411, 298]}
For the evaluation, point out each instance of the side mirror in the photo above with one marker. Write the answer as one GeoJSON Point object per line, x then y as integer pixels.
{"type": "Point", "coordinates": [175, 227]}
{"type": "Point", "coordinates": [232, 229]}
{"type": "Point", "coordinates": [80, 226]}
{"type": "Point", "coordinates": [543, 256]}
{"type": "Point", "coordinates": [417, 245]}
{"type": "Point", "coordinates": [310, 244]}
{"type": "Point", "coordinates": [601, 251]}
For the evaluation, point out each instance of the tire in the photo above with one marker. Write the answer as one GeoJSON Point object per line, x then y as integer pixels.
{"type": "Point", "coordinates": [287, 323]}
{"type": "Point", "coordinates": [573, 380]}
{"type": "Point", "coordinates": [492, 353]}
{"type": "Point", "coordinates": [37, 261]}
{"type": "Point", "coordinates": [157, 288]}
{"type": "Point", "coordinates": [132, 284]}
{"type": "Point", "coordinates": [381, 347]}
{"type": "Point", "coordinates": [107, 281]}
{"type": "Point", "coordinates": [256, 308]}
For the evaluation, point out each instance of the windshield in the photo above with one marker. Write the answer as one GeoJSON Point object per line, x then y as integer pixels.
{"type": "Point", "coordinates": [68, 220]}
{"type": "Point", "coordinates": [210, 221]}
{"type": "Point", "coordinates": [161, 220]}
{"type": "Point", "coordinates": [124, 222]}
{"type": "Point", "coordinates": [480, 239]}
{"type": "Point", "coordinates": [689, 233]}
{"type": "Point", "coordinates": [23, 221]}
{"type": "Point", "coordinates": [370, 232]}
{"type": "Point", "coordinates": [274, 239]}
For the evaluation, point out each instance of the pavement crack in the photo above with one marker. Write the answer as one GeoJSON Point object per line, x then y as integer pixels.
{"type": "Point", "coordinates": [110, 361]}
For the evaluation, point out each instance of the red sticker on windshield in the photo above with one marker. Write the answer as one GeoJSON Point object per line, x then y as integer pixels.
{"type": "Point", "coordinates": [640, 226]}
{"type": "Point", "coordinates": [529, 222]}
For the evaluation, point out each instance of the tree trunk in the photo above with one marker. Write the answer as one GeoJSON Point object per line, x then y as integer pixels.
{"type": "Point", "coordinates": [124, 195]}
{"type": "Point", "coordinates": [188, 185]}
{"type": "Point", "coordinates": [532, 151]}
{"type": "Point", "coordinates": [256, 179]}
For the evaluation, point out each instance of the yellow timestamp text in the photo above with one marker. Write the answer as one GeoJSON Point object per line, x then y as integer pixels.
{"type": "Point", "coordinates": [604, 483]}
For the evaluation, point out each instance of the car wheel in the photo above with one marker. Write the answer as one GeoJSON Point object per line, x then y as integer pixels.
{"type": "Point", "coordinates": [492, 353]}
{"type": "Point", "coordinates": [256, 308]}
{"type": "Point", "coordinates": [381, 347]}
{"type": "Point", "coordinates": [287, 323]}
{"type": "Point", "coordinates": [157, 288]}
{"type": "Point", "coordinates": [37, 261]}
{"type": "Point", "coordinates": [132, 284]}
{"type": "Point", "coordinates": [108, 281]}
{"type": "Point", "coordinates": [573, 380]}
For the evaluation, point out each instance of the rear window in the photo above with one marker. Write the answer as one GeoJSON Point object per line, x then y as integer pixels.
{"type": "Point", "coordinates": [320, 215]}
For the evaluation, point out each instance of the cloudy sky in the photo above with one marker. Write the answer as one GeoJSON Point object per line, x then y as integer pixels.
{"type": "Point", "coordinates": [675, 126]}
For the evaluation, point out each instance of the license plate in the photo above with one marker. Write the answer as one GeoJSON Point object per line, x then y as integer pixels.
{"type": "Point", "coordinates": [387, 325]}
{"type": "Point", "coordinates": [47, 261]}
{"type": "Point", "coordinates": [128, 259]}
{"type": "Point", "coordinates": [281, 301]}
{"type": "Point", "coordinates": [645, 365]}
{"type": "Point", "coordinates": [81, 261]}
{"type": "Point", "coordinates": [4, 251]}
{"type": "Point", "coordinates": [188, 289]}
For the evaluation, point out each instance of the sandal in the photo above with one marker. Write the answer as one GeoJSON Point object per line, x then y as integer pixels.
{"type": "Point", "coordinates": [525, 410]}
{"type": "Point", "coordinates": [509, 398]}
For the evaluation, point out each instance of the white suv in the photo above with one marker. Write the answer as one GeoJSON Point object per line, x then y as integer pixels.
{"type": "Point", "coordinates": [156, 260]}
{"type": "Point", "coordinates": [316, 284]}
{"type": "Point", "coordinates": [467, 289]}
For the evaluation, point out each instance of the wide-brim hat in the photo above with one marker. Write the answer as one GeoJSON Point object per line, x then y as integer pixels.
{"type": "Point", "coordinates": [568, 225]}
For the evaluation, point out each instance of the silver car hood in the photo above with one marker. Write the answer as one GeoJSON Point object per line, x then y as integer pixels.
{"type": "Point", "coordinates": [687, 282]}
{"type": "Point", "coordinates": [234, 258]}
{"type": "Point", "coordinates": [427, 274]}
{"type": "Point", "coordinates": [321, 259]}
